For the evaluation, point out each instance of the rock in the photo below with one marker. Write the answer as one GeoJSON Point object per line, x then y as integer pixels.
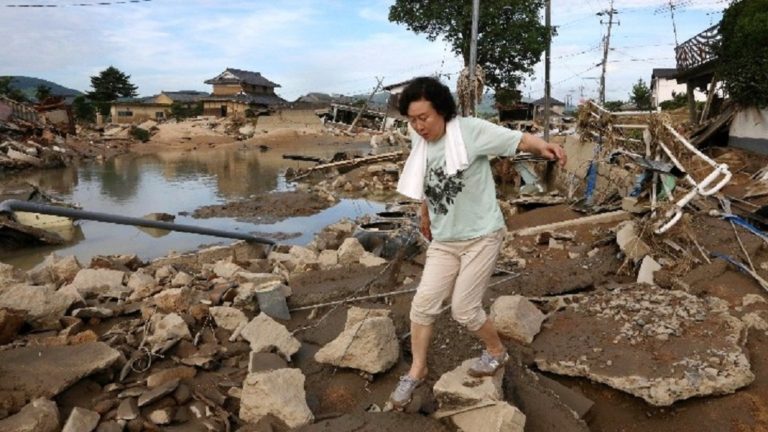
{"type": "Point", "coordinates": [9, 273]}
{"type": "Point", "coordinates": [96, 282]}
{"type": "Point", "coordinates": [11, 321]}
{"type": "Point", "coordinates": [178, 373]}
{"type": "Point", "coordinates": [517, 318]}
{"type": "Point", "coordinates": [226, 269]}
{"type": "Point", "coordinates": [660, 345]}
{"type": "Point", "coordinates": [182, 279]}
{"type": "Point", "coordinates": [555, 244]}
{"type": "Point", "coordinates": [173, 300]}
{"type": "Point", "coordinates": [55, 269]}
{"type": "Point", "coordinates": [228, 318]}
{"type": "Point", "coordinates": [350, 251]}
{"type": "Point", "coordinates": [751, 299]}
{"type": "Point", "coordinates": [260, 362]}
{"type": "Point", "coordinates": [81, 420]}
{"type": "Point", "coordinates": [142, 285]}
{"type": "Point", "coordinates": [162, 416]}
{"type": "Point", "coordinates": [357, 314]}
{"type": "Point", "coordinates": [40, 415]}
{"type": "Point", "coordinates": [303, 254]}
{"type": "Point", "coordinates": [164, 273]}
{"type": "Point", "coordinates": [157, 393]}
{"type": "Point", "coordinates": [128, 409]}
{"type": "Point", "coordinates": [499, 417]}
{"type": "Point", "coordinates": [265, 334]}
{"type": "Point", "coordinates": [754, 320]}
{"type": "Point", "coordinates": [457, 390]}
{"type": "Point", "coordinates": [371, 346]}
{"type": "Point", "coordinates": [93, 312]}
{"type": "Point", "coordinates": [111, 426]}
{"type": "Point", "coordinates": [630, 243]}
{"type": "Point", "coordinates": [648, 267]}
{"type": "Point", "coordinates": [257, 278]}
{"type": "Point", "coordinates": [168, 329]}
{"type": "Point", "coordinates": [328, 259]}
{"type": "Point", "coordinates": [39, 371]}
{"type": "Point", "coordinates": [370, 260]}
{"type": "Point", "coordinates": [43, 305]}
{"type": "Point", "coordinates": [279, 393]}
{"type": "Point", "coordinates": [148, 125]}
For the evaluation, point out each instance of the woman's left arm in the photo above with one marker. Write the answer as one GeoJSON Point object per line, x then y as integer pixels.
{"type": "Point", "coordinates": [533, 144]}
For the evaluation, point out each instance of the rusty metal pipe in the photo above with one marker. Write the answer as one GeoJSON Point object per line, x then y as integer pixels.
{"type": "Point", "coordinates": [9, 206]}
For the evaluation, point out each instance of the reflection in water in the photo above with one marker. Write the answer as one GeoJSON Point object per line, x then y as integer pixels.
{"type": "Point", "coordinates": [176, 182]}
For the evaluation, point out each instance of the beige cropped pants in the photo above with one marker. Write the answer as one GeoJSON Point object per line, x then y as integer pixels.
{"type": "Point", "coordinates": [460, 270]}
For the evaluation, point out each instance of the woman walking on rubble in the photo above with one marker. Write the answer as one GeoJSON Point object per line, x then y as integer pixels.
{"type": "Point", "coordinates": [449, 170]}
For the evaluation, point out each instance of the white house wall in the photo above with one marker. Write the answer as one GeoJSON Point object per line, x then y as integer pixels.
{"type": "Point", "coordinates": [749, 130]}
{"type": "Point", "coordinates": [663, 89]}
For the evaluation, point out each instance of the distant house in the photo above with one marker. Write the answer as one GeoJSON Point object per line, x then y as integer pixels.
{"type": "Point", "coordinates": [157, 107]}
{"type": "Point", "coordinates": [555, 107]}
{"type": "Point", "coordinates": [239, 92]}
{"type": "Point", "coordinates": [664, 86]}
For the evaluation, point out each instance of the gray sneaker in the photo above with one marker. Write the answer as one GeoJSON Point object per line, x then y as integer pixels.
{"type": "Point", "coordinates": [487, 364]}
{"type": "Point", "coordinates": [402, 394]}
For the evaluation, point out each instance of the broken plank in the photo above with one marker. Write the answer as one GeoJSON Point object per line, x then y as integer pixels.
{"type": "Point", "coordinates": [609, 217]}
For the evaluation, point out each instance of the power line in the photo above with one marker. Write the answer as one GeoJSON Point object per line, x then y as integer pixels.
{"type": "Point", "coordinates": [105, 3]}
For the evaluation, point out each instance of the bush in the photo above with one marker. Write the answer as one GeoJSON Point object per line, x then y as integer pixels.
{"type": "Point", "coordinates": [679, 100]}
{"type": "Point", "coordinates": [743, 52]}
{"type": "Point", "coordinates": [140, 134]}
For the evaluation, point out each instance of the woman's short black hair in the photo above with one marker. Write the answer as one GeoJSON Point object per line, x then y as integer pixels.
{"type": "Point", "coordinates": [432, 90]}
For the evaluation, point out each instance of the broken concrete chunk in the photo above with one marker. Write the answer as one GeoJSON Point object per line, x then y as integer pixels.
{"type": "Point", "coordinates": [457, 390]}
{"type": "Point", "coordinates": [370, 260]}
{"type": "Point", "coordinates": [39, 371]}
{"type": "Point", "coordinates": [128, 409]}
{"type": "Point", "coordinates": [499, 417]}
{"type": "Point", "coordinates": [279, 393]}
{"type": "Point", "coordinates": [55, 269]}
{"type": "Point", "coordinates": [699, 339]}
{"type": "Point", "coordinates": [629, 242]}
{"type": "Point", "coordinates": [303, 254]}
{"type": "Point", "coordinates": [40, 415]}
{"type": "Point", "coordinates": [517, 318]}
{"type": "Point", "coordinates": [81, 420]}
{"type": "Point", "coordinates": [43, 304]}
{"type": "Point", "coordinates": [228, 318]}
{"type": "Point", "coordinates": [166, 375]}
{"type": "Point", "coordinates": [141, 284]}
{"type": "Point", "coordinates": [96, 282]}
{"type": "Point", "coordinates": [751, 299]}
{"type": "Point", "coordinates": [182, 279]}
{"type": "Point", "coordinates": [11, 321]}
{"type": "Point", "coordinates": [167, 330]}
{"type": "Point", "coordinates": [226, 269]}
{"type": "Point", "coordinates": [328, 259]}
{"type": "Point", "coordinates": [357, 314]}
{"type": "Point", "coordinates": [173, 300]}
{"type": "Point", "coordinates": [371, 346]}
{"type": "Point", "coordinates": [754, 320]}
{"type": "Point", "coordinates": [265, 334]}
{"type": "Point", "coordinates": [648, 267]}
{"type": "Point", "coordinates": [350, 251]}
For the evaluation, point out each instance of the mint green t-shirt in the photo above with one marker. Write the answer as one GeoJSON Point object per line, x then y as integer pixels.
{"type": "Point", "coordinates": [464, 206]}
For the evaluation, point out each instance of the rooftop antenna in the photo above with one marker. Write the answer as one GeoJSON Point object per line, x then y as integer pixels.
{"type": "Point", "coordinates": [671, 6]}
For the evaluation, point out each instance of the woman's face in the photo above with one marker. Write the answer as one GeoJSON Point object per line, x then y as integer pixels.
{"type": "Point", "coordinates": [425, 120]}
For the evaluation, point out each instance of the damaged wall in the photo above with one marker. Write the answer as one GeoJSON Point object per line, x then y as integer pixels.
{"type": "Point", "coordinates": [749, 130]}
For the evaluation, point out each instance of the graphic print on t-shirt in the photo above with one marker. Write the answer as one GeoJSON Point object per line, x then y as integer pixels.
{"type": "Point", "coordinates": [442, 189]}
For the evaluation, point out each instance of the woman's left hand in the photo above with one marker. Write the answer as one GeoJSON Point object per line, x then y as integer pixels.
{"type": "Point", "coordinates": [533, 144]}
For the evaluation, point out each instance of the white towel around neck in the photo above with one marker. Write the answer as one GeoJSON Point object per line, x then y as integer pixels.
{"type": "Point", "coordinates": [411, 183]}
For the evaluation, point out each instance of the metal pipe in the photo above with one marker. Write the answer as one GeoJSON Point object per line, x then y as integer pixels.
{"type": "Point", "coordinates": [9, 206]}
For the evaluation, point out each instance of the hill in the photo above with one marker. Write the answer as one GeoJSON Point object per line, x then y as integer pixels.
{"type": "Point", "coordinates": [28, 85]}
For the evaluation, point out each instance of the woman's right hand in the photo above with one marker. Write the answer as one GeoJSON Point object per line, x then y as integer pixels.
{"type": "Point", "coordinates": [425, 226]}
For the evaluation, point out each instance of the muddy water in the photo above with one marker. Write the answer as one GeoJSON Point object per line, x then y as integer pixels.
{"type": "Point", "coordinates": [176, 183]}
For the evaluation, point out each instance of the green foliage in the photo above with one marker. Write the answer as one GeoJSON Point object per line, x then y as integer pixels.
{"type": "Point", "coordinates": [507, 97]}
{"type": "Point", "coordinates": [679, 100]}
{"type": "Point", "coordinates": [140, 134]}
{"type": "Point", "coordinates": [743, 52]}
{"type": "Point", "coordinates": [42, 92]}
{"type": "Point", "coordinates": [614, 105]}
{"type": "Point", "coordinates": [9, 91]}
{"type": "Point", "coordinates": [109, 85]}
{"type": "Point", "coordinates": [181, 111]}
{"type": "Point", "coordinates": [511, 37]}
{"type": "Point", "coordinates": [84, 109]}
{"type": "Point", "coordinates": [641, 95]}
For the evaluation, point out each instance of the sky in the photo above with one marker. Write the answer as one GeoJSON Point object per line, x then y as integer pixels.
{"type": "Point", "coordinates": [330, 46]}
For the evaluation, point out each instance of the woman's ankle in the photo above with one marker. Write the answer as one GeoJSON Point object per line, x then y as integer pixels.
{"type": "Point", "coordinates": [418, 372]}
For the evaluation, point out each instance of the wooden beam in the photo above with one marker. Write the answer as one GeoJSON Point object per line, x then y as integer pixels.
{"type": "Point", "coordinates": [610, 217]}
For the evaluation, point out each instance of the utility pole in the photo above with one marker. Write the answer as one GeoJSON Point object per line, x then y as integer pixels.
{"type": "Point", "coordinates": [473, 56]}
{"type": "Point", "coordinates": [547, 24]}
{"type": "Point", "coordinates": [606, 47]}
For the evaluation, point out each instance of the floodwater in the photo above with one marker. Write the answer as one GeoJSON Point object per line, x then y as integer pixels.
{"type": "Point", "coordinates": [176, 183]}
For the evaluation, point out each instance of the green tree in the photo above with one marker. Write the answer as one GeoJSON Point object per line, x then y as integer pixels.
{"type": "Point", "coordinates": [8, 90]}
{"type": "Point", "coordinates": [109, 85]}
{"type": "Point", "coordinates": [641, 95]}
{"type": "Point", "coordinates": [614, 105]}
{"type": "Point", "coordinates": [84, 109]}
{"type": "Point", "coordinates": [679, 100]}
{"type": "Point", "coordinates": [743, 52]}
{"type": "Point", "coordinates": [42, 92]}
{"type": "Point", "coordinates": [181, 111]}
{"type": "Point", "coordinates": [510, 37]}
